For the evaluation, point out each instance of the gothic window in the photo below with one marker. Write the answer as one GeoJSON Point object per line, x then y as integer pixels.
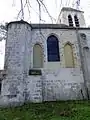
{"type": "Point", "coordinates": [70, 21]}
{"type": "Point", "coordinates": [76, 21]}
{"type": "Point", "coordinates": [37, 56]}
{"type": "Point", "coordinates": [53, 49]}
{"type": "Point", "coordinates": [68, 53]}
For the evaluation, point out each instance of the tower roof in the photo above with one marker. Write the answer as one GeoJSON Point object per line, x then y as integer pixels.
{"type": "Point", "coordinates": [70, 9]}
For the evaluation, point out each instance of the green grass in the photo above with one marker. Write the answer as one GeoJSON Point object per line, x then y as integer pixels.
{"type": "Point", "coordinates": [69, 110]}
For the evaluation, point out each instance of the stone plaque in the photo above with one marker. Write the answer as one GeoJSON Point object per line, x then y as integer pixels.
{"type": "Point", "coordinates": [35, 72]}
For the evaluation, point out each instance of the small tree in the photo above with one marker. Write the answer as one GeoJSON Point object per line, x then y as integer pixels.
{"type": "Point", "coordinates": [3, 31]}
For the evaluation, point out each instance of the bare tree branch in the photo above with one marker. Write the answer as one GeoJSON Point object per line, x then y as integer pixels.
{"type": "Point", "coordinates": [39, 10]}
{"type": "Point", "coordinates": [46, 10]}
{"type": "Point", "coordinates": [34, 10]}
{"type": "Point", "coordinates": [28, 8]}
{"type": "Point", "coordinates": [21, 10]}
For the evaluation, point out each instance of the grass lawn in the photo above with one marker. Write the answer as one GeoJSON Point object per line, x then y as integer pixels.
{"type": "Point", "coordinates": [66, 110]}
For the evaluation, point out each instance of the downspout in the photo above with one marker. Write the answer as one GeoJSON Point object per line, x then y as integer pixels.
{"type": "Point", "coordinates": [82, 64]}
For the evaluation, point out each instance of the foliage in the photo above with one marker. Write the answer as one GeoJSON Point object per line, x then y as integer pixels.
{"type": "Point", "coordinates": [68, 110]}
{"type": "Point", "coordinates": [3, 31]}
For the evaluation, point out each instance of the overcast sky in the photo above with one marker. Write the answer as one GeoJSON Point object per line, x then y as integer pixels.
{"type": "Point", "coordinates": [9, 10]}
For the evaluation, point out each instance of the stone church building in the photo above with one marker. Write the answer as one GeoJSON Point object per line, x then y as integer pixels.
{"type": "Point", "coordinates": [47, 62]}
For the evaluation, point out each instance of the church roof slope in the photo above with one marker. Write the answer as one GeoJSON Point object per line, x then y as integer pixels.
{"type": "Point", "coordinates": [49, 26]}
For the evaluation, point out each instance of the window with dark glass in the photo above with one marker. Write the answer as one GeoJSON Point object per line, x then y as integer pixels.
{"type": "Point", "coordinates": [70, 20]}
{"type": "Point", "coordinates": [53, 48]}
{"type": "Point", "coordinates": [76, 21]}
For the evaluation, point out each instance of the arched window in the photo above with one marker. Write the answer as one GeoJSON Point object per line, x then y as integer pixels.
{"type": "Point", "coordinates": [68, 53]}
{"type": "Point", "coordinates": [70, 21]}
{"type": "Point", "coordinates": [76, 21]}
{"type": "Point", "coordinates": [53, 48]}
{"type": "Point", "coordinates": [37, 56]}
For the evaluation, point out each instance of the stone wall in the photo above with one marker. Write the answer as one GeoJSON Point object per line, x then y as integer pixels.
{"type": "Point", "coordinates": [16, 60]}
{"type": "Point", "coordinates": [60, 84]}
{"type": "Point", "coordinates": [85, 45]}
{"type": "Point", "coordinates": [56, 82]}
{"type": "Point", "coordinates": [64, 36]}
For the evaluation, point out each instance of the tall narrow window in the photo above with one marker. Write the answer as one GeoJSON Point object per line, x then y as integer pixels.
{"type": "Point", "coordinates": [70, 21]}
{"type": "Point", "coordinates": [53, 49]}
{"type": "Point", "coordinates": [37, 56]}
{"type": "Point", "coordinates": [68, 53]}
{"type": "Point", "coordinates": [76, 21]}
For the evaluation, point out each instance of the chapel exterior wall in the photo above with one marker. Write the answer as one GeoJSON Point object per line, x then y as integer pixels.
{"type": "Point", "coordinates": [85, 45]}
{"type": "Point", "coordinates": [16, 54]}
{"type": "Point", "coordinates": [56, 82]}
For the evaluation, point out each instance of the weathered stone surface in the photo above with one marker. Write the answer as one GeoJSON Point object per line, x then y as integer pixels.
{"type": "Point", "coordinates": [56, 82]}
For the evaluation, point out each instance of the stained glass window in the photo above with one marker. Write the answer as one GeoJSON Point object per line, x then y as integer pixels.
{"type": "Point", "coordinates": [53, 49]}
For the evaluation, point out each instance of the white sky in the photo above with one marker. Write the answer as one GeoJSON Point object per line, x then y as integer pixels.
{"type": "Point", "coordinates": [9, 10]}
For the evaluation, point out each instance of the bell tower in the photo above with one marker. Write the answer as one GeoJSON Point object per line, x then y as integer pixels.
{"type": "Point", "coordinates": [71, 17]}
